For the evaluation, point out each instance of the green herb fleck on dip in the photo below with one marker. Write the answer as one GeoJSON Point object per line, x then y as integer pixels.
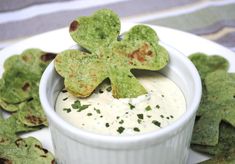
{"type": "Point", "coordinates": [136, 129]}
{"type": "Point", "coordinates": [120, 129]}
{"type": "Point", "coordinates": [157, 123]}
{"type": "Point", "coordinates": [131, 106]}
{"type": "Point", "coordinates": [67, 110]}
{"type": "Point", "coordinates": [140, 116]}
{"type": "Point", "coordinates": [148, 108]}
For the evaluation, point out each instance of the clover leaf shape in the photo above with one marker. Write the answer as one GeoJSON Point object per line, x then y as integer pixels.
{"type": "Point", "coordinates": [217, 104]}
{"type": "Point", "coordinates": [217, 107]}
{"type": "Point", "coordinates": [107, 57]}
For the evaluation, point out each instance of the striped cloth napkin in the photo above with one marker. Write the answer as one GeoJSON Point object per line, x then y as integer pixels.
{"type": "Point", "coordinates": [211, 19]}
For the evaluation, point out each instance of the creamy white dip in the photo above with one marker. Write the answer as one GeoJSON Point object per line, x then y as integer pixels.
{"type": "Point", "coordinates": [101, 113]}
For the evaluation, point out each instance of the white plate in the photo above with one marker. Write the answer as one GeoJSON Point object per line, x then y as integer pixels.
{"type": "Point", "coordinates": [59, 40]}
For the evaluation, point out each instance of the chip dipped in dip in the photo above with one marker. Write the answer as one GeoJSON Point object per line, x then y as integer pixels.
{"type": "Point", "coordinates": [101, 113]}
{"type": "Point", "coordinates": [106, 105]}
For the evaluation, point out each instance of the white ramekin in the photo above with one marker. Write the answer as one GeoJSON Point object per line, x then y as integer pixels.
{"type": "Point", "coordinates": [169, 145]}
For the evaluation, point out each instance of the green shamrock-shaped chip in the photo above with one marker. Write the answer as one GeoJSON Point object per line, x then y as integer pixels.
{"type": "Point", "coordinates": [218, 106]}
{"type": "Point", "coordinates": [206, 64]}
{"type": "Point", "coordinates": [14, 149]}
{"type": "Point", "coordinates": [22, 74]}
{"type": "Point", "coordinates": [108, 58]}
{"type": "Point", "coordinates": [225, 144]}
{"type": "Point", "coordinates": [218, 98]}
{"type": "Point", "coordinates": [20, 83]}
{"type": "Point", "coordinates": [28, 150]}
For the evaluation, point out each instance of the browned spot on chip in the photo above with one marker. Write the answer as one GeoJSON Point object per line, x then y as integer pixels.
{"type": "Point", "coordinates": [5, 161]}
{"type": "Point", "coordinates": [44, 150]}
{"type": "Point", "coordinates": [141, 53]}
{"type": "Point", "coordinates": [53, 161]}
{"type": "Point", "coordinates": [87, 88]}
{"type": "Point", "coordinates": [71, 75]}
{"type": "Point", "coordinates": [18, 142]}
{"type": "Point", "coordinates": [26, 87]}
{"type": "Point", "coordinates": [26, 58]}
{"type": "Point", "coordinates": [34, 120]}
{"type": "Point", "coordinates": [57, 60]}
{"type": "Point", "coordinates": [131, 63]}
{"type": "Point", "coordinates": [48, 56]}
{"type": "Point", "coordinates": [150, 53]}
{"type": "Point", "coordinates": [114, 91]}
{"type": "Point", "coordinates": [73, 26]}
{"type": "Point", "coordinates": [2, 140]}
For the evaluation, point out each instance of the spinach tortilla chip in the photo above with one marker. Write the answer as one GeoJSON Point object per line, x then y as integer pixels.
{"type": "Point", "coordinates": [17, 150]}
{"type": "Point", "coordinates": [10, 107]}
{"type": "Point", "coordinates": [21, 76]}
{"type": "Point", "coordinates": [12, 125]}
{"type": "Point", "coordinates": [206, 64]}
{"type": "Point", "coordinates": [28, 150]}
{"type": "Point", "coordinates": [1, 115]}
{"type": "Point", "coordinates": [31, 113]}
{"type": "Point", "coordinates": [19, 85]}
{"type": "Point", "coordinates": [225, 144]}
{"type": "Point", "coordinates": [219, 106]}
{"type": "Point", "coordinates": [96, 31]}
{"type": "Point", "coordinates": [107, 57]}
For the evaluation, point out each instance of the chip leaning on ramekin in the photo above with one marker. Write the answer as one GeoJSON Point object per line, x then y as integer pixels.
{"type": "Point", "coordinates": [165, 146]}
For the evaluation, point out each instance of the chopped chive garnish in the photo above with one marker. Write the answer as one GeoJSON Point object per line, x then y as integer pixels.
{"type": "Point", "coordinates": [148, 108]}
{"type": "Point", "coordinates": [65, 98]}
{"type": "Point", "coordinates": [136, 129]}
{"type": "Point", "coordinates": [161, 116]}
{"type": "Point", "coordinates": [107, 125]}
{"type": "Point", "coordinates": [139, 121]}
{"type": "Point", "coordinates": [67, 110]}
{"type": "Point", "coordinates": [83, 107]}
{"type": "Point", "coordinates": [120, 129]}
{"type": "Point", "coordinates": [97, 110]}
{"type": "Point", "coordinates": [171, 116]}
{"type": "Point", "coordinates": [89, 114]}
{"type": "Point", "coordinates": [121, 122]}
{"type": "Point", "coordinates": [76, 104]}
{"type": "Point", "coordinates": [131, 106]}
{"type": "Point", "coordinates": [157, 106]}
{"type": "Point", "coordinates": [149, 116]}
{"type": "Point", "coordinates": [168, 118]}
{"type": "Point", "coordinates": [163, 96]}
{"type": "Point", "coordinates": [157, 123]}
{"type": "Point", "coordinates": [117, 117]}
{"type": "Point", "coordinates": [140, 116]}
{"type": "Point", "coordinates": [109, 89]}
